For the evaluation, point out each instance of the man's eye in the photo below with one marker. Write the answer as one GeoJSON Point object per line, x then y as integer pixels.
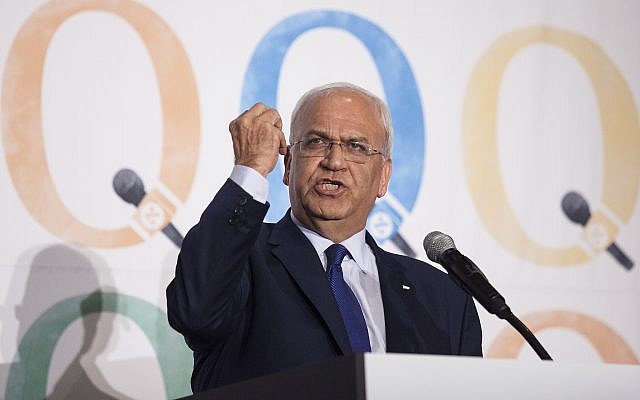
{"type": "Point", "coordinates": [315, 141]}
{"type": "Point", "coordinates": [357, 147]}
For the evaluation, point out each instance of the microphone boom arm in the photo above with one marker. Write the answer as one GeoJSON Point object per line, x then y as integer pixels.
{"type": "Point", "coordinates": [528, 336]}
{"type": "Point", "coordinates": [470, 278]}
{"type": "Point", "coordinates": [441, 249]}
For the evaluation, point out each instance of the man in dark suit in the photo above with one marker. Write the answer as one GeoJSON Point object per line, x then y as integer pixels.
{"type": "Point", "coordinates": [252, 298]}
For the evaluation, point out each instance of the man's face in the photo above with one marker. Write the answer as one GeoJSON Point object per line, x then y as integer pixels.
{"type": "Point", "coordinates": [330, 191]}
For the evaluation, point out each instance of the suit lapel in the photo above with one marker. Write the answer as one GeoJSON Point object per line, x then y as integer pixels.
{"type": "Point", "coordinates": [397, 318]}
{"type": "Point", "coordinates": [300, 259]}
{"type": "Point", "coordinates": [409, 327]}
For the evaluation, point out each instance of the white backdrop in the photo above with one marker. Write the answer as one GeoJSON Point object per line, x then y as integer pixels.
{"type": "Point", "coordinates": [500, 109]}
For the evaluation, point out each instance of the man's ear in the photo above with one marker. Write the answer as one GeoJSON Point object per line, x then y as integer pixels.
{"type": "Point", "coordinates": [287, 166]}
{"type": "Point", "coordinates": [385, 176]}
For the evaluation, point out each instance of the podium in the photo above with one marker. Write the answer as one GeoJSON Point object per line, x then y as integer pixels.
{"type": "Point", "coordinates": [412, 377]}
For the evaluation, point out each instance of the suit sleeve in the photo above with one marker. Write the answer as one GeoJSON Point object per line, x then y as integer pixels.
{"type": "Point", "coordinates": [212, 280]}
{"type": "Point", "coordinates": [471, 333]}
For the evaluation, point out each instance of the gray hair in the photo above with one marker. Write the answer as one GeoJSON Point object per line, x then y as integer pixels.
{"type": "Point", "coordinates": [327, 90]}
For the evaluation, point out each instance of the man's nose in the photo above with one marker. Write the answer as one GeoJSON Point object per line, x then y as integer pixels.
{"type": "Point", "coordinates": [335, 156]}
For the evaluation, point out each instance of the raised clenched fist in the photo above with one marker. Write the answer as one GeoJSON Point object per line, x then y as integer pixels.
{"type": "Point", "coordinates": [258, 138]}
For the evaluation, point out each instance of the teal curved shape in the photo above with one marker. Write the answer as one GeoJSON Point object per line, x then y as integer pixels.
{"type": "Point", "coordinates": [28, 373]}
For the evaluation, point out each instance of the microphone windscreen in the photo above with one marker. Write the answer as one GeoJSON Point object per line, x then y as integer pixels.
{"type": "Point", "coordinates": [576, 208]}
{"type": "Point", "coordinates": [436, 243]}
{"type": "Point", "coordinates": [128, 185]}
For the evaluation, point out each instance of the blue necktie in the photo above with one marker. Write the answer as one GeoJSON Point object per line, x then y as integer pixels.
{"type": "Point", "coordinates": [347, 301]}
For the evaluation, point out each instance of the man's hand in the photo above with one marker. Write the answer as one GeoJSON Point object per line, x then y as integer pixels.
{"type": "Point", "coordinates": [258, 138]}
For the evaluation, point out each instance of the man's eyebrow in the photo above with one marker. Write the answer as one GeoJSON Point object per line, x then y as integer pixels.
{"type": "Point", "coordinates": [316, 132]}
{"type": "Point", "coordinates": [355, 137]}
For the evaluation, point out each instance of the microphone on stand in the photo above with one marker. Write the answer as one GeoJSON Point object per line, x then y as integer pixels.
{"type": "Point", "coordinates": [441, 249]}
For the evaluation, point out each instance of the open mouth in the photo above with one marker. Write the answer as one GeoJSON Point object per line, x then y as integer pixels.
{"type": "Point", "coordinates": [329, 185]}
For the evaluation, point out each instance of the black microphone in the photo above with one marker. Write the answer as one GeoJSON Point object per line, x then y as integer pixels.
{"type": "Point", "coordinates": [576, 208]}
{"type": "Point", "coordinates": [128, 185]}
{"type": "Point", "coordinates": [441, 249]}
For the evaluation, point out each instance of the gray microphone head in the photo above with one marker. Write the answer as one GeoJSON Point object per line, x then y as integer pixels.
{"type": "Point", "coordinates": [437, 243]}
{"type": "Point", "coordinates": [129, 186]}
{"type": "Point", "coordinates": [576, 208]}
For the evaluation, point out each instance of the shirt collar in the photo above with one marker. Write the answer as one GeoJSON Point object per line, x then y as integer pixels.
{"type": "Point", "coordinates": [355, 244]}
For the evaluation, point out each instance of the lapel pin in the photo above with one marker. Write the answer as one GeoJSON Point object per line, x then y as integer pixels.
{"type": "Point", "coordinates": [405, 287]}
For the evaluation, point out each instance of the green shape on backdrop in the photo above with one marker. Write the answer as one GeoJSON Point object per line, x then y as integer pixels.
{"type": "Point", "coordinates": [28, 374]}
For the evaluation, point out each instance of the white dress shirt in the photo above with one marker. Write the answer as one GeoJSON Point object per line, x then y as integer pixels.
{"type": "Point", "coordinates": [359, 267]}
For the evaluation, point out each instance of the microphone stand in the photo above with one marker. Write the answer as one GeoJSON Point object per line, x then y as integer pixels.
{"type": "Point", "coordinates": [469, 277]}
{"type": "Point", "coordinates": [528, 336]}
{"type": "Point", "coordinates": [441, 249]}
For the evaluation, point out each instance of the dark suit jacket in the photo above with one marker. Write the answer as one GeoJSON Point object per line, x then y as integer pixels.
{"type": "Point", "coordinates": [252, 298]}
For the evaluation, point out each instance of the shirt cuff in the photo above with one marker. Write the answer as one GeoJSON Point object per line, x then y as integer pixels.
{"type": "Point", "coordinates": [251, 181]}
